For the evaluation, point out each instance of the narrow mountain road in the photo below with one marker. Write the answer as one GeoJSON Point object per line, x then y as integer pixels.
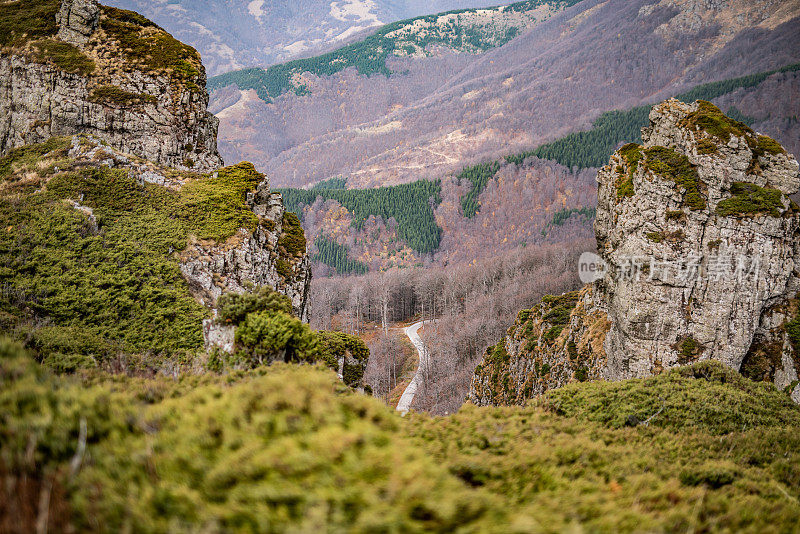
{"type": "Point", "coordinates": [408, 395]}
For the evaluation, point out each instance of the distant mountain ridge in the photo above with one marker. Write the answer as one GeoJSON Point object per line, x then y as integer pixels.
{"type": "Point", "coordinates": [234, 34]}
{"type": "Point", "coordinates": [435, 114]}
{"type": "Point", "coordinates": [465, 30]}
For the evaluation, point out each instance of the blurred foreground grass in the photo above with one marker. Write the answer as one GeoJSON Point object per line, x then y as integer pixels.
{"type": "Point", "coordinates": [289, 448]}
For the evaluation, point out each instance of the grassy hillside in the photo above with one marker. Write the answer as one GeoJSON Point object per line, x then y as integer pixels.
{"type": "Point", "coordinates": [468, 30]}
{"type": "Point", "coordinates": [289, 448]}
{"type": "Point", "coordinates": [90, 272]}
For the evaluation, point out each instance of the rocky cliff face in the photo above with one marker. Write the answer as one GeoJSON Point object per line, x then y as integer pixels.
{"type": "Point", "coordinates": [274, 254]}
{"type": "Point", "coordinates": [76, 67]}
{"type": "Point", "coordinates": [702, 262]}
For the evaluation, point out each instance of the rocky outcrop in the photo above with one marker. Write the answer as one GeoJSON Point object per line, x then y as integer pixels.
{"type": "Point", "coordinates": [702, 262]}
{"type": "Point", "coordinates": [77, 20]}
{"type": "Point", "coordinates": [270, 253]}
{"type": "Point", "coordinates": [112, 74]}
{"type": "Point", "coordinates": [559, 341]}
{"type": "Point", "coordinates": [268, 256]}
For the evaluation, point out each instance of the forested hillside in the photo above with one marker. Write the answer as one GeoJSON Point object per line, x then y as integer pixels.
{"type": "Point", "coordinates": [410, 205]}
{"type": "Point", "coordinates": [440, 112]}
{"type": "Point", "coordinates": [466, 30]}
{"type": "Point", "coordinates": [447, 229]}
{"type": "Point", "coordinates": [612, 129]}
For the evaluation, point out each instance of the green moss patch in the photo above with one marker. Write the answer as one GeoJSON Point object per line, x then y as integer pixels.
{"type": "Point", "coordinates": [655, 237]}
{"type": "Point", "coordinates": [710, 119]}
{"type": "Point", "coordinates": [676, 167]}
{"type": "Point", "coordinates": [689, 350]}
{"type": "Point", "coordinates": [767, 145]}
{"type": "Point", "coordinates": [111, 94]}
{"type": "Point", "coordinates": [624, 184]}
{"type": "Point", "coordinates": [292, 240]}
{"type": "Point", "coordinates": [750, 200]}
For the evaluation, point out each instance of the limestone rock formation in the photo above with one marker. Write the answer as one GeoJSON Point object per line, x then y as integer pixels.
{"type": "Point", "coordinates": [77, 20]}
{"type": "Point", "coordinates": [274, 255]}
{"type": "Point", "coordinates": [106, 72]}
{"type": "Point", "coordinates": [700, 243]}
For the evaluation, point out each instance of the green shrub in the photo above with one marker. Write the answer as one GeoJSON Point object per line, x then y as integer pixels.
{"type": "Point", "coordinates": [233, 308]}
{"type": "Point", "coordinates": [633, 155]}
{"type": "Point", "coordinates": [292, 239]}
{"type": "Point", "coordinates": [750, 200]}
{"type": "Point", "coordinates": [336, 345]}
{"type": "Point", "coordinates": [111, 94]}
{"type": "Point", "coordinates": [711, 120]}
{"type": "Point", "coordinates": [265, 337]}
{"type": "Point", "coordinates": [64, 56]}
{"type": "Point", "coordinates": [767, 145]}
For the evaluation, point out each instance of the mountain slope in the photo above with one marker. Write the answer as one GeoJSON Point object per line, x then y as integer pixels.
{"type": "Point", "coordinates": [232, 34]}
{"type": "Point", "coordinates": [437, 113]}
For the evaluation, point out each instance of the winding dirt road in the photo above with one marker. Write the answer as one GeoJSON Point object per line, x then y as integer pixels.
{"type": "Point", "coordinates": [408, 395]}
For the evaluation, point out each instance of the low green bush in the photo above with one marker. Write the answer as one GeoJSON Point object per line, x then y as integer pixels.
{"type": "Point", "coordinates": [265, 337]}
{"type": "Point", "coordinates": [233, 308]}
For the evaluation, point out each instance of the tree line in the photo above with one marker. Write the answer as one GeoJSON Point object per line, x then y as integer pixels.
{"type": "Point", "coordinates": [410, 205]}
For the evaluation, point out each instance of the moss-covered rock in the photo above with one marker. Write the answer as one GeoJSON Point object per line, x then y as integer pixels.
{"type": "Point", "coordinates": [750, 200]}
{"type": "Point", "coordinates": [710, 119]}
{"type": "Point", "coordinates": [676, 167]}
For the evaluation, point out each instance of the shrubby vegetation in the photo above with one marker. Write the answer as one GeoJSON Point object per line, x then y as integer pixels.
{"type": "Point", "coordinates": [112, 94]}
{"type": "Point", "coordinates": [749, 200]}
{"type": "Point", "coordinates": [351, 350]}
{"type": "Point", "coordinates": [289, 448]}
{"type": "Point", "coordinates": [89, 271]}
{"type": "Point", "coordinates": [267, 332]}
{"type": "Point", "coordinates": [408, 204]}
